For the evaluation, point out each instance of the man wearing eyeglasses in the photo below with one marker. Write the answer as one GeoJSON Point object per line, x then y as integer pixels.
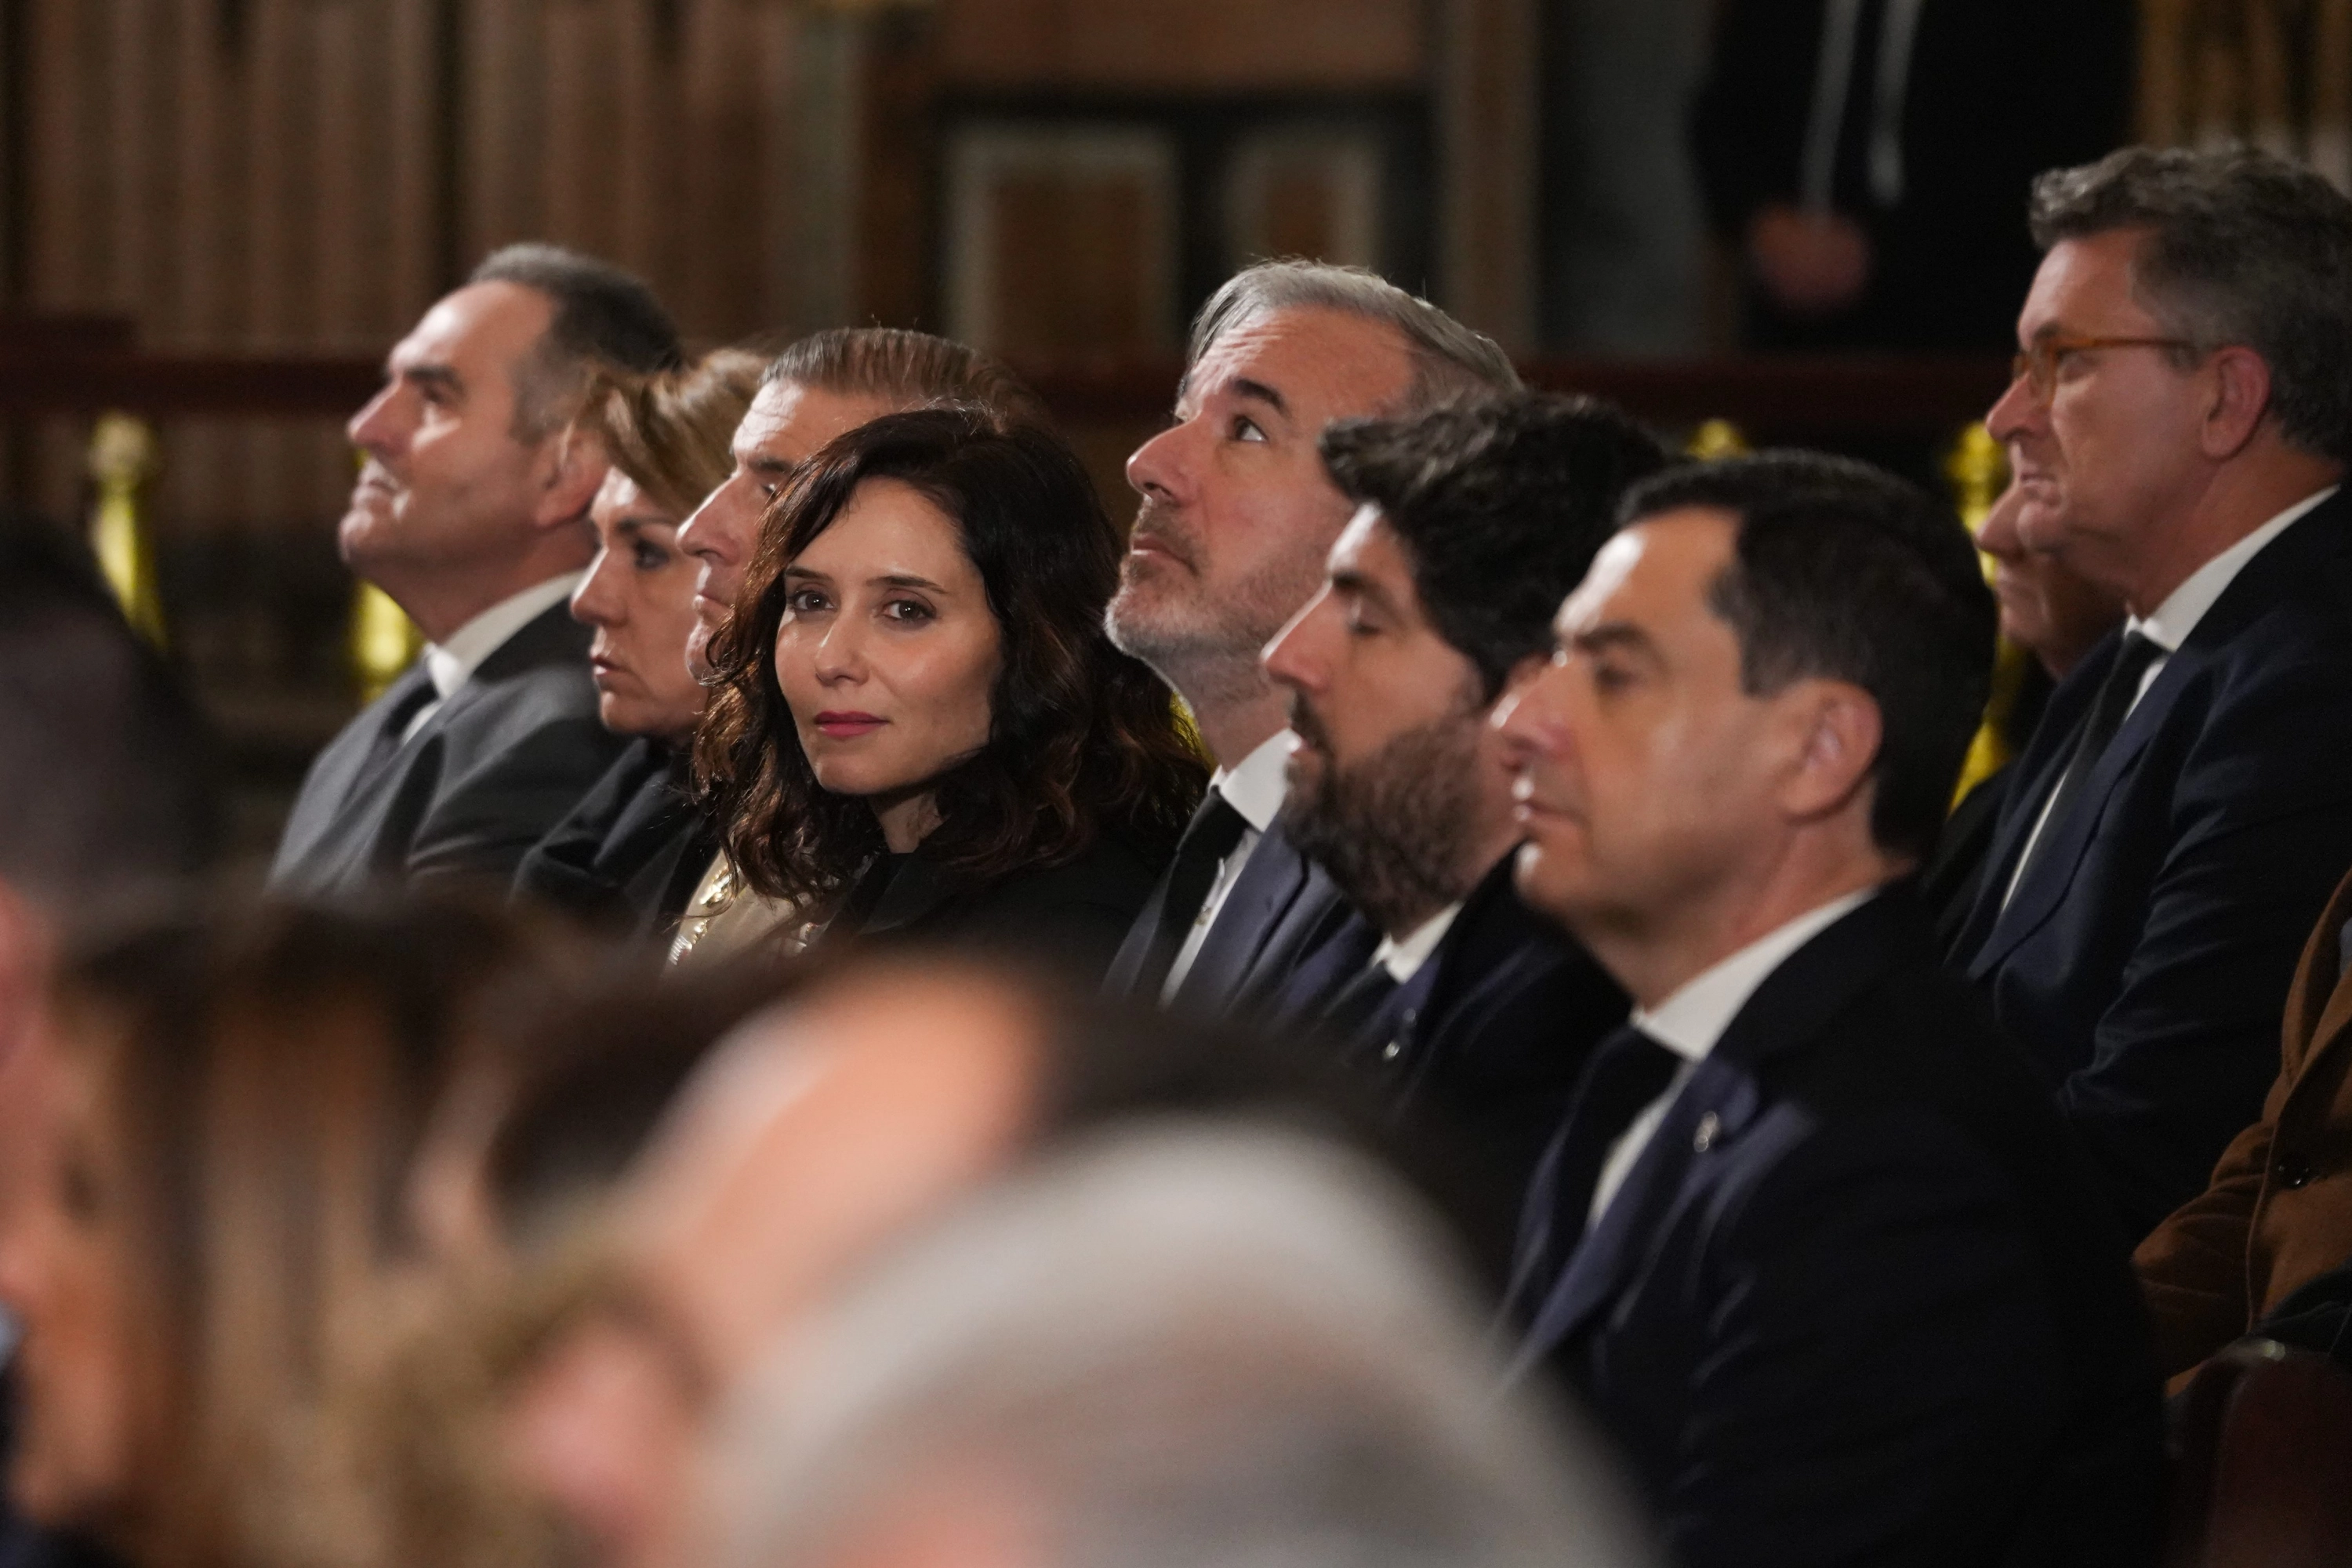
{"type": "Point", "coordinates": [2180, 422]}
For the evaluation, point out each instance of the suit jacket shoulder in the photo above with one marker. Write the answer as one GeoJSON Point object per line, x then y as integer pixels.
{"type": "Point", "coordinates": [627, 856]}
{"type": "Point", "coordinates": [498, 764]}
{"type": "Point", "coordinates": [1856, 1301]}
{"type": "Point", "coordinates": [2145, 952]}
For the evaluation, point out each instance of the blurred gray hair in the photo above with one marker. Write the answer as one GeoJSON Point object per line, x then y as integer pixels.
{"type": "Point", "coordinates": [2242, 247]}
{"type": "Point", "coordinates": [1449, 359]}
{"type": "Point", "coordinates": [1195, 1344]}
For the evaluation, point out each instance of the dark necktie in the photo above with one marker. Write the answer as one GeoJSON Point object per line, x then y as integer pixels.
{"type": "Point", "coordinates": [2115, 694]}
{"type": "Point", "coordinates": [1213, 832]}
{"type": "Point", "coordinates": [417, 692]}
{"type": "Point", "coordinates": [1627, 1072]}
{"type": "Point", "coordinates": [1360, 1001]}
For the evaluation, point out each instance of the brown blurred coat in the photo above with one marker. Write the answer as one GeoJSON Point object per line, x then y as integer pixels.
{"type": "Point", "coordinates": [2278, 1211]}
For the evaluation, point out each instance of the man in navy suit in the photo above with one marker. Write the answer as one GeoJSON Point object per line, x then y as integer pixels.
{"type": "Point", "coordinates": [1473, 523]}
{"type": "Point", "coordinates": [471, 511]}
{"type": "Point", "coordinates": [1237, 516]}
{"type": "Point", "coordinates": [1812, 1243]}
{"type": "Point", "coordinates": [2179, 425]}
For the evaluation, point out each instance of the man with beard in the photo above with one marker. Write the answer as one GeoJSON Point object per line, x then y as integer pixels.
{"type": "Point", "coordinates": [1236, 519]}
{"type": "Point", "coordinates": [472, 514]}
{"type": "Point", "coordinates": [1473, 522]}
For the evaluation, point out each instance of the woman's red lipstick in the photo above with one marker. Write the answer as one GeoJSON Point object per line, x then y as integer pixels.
{"type": "Point", "coordinates": [842, 726]}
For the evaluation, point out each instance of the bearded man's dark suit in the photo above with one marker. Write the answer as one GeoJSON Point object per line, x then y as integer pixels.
{"type": "Point", "coordinates": [1857, 1300]}
{"type": "Point", "coordinates": [2147, 953]}
{"type": "Point", "coordinates": [1486, 1040]}
{"type": "Point", "coordinates": [627, 857]}
{"type": "Point", "coordinates": [496, 764]}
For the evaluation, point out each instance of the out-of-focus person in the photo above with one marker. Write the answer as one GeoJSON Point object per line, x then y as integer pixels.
{"type": "Point", "coordinates": [2178, 427]}
{"type": "Point", "coordinates": [822, 386]}
{"type": "Point", "coordinates": [2057, 616]}
{"type": "Point", "coordinates": [918, 729]}
{"type": "Point", "coordinates": [204, 1224]}
{"type": "Point", "coordinates": [886, 1087]}
{"type": "Point", "coordinates": [109, 798]}
{"type": "Point", "coordinates": [1194, 1341]}
{"type": "Point", "coordinates": [629, 853]}
{"type": "Point", "coordinates": [1236, 518]}
{"type": "Point", "coordinates": [1812, 1244]}
{"type": "Point", "coordinates": [471, 512]}
{"type": "Point", "coordinates": [1473, 522]}
{"type": "Point", "coordinates": [1863, 158]}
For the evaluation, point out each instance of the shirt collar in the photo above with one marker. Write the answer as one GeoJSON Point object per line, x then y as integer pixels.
{"type": "Point", "coordinates": [1690, 1022]}
{"type": "Point", "coordinates": [1254, 785]}
{"type": "Point", "coordinates": [2170, 624]}
{"type": "Point", "coordinates": [450, 663]}
{"type": "Point", "coordinates": [1404, 956]}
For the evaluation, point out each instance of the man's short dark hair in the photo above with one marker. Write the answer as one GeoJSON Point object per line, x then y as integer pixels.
{"type": "Point", "coordinates": [2242, 247]}
{"type": "Point", "coordinates": [1842, 572]}
{"type": "Point", "coordinates": [604, 317]}
{"type": "Point", "coordinates": [109, 783]}
{"type": "Point", "coordinates": [1501, 504]}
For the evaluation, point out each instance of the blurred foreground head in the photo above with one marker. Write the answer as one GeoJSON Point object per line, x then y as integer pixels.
{"type": "Point", "coordinates": [106, 777]}
{"type": "Point", "coordinates": [815, 1138]}
{"type": "Point", "coordinates": [1192, 1341]}
{"type": "Point", "coordinates": [205, 1223]}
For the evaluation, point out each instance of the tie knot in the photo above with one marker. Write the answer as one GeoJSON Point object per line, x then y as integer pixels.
{"type": "Point", "coordinates": [1216, 828]}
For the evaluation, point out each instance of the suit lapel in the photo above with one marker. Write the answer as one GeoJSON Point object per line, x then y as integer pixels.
{"type": "Point", "coordinates": [1270, 882]}
{"type": "Point", "coordinates": [2060, 853]}
{"type": "Point", "coordinates": [2304, 549]}
{"type": "Point", "coordinates": [1722, 1097]}
{"type": "Point", "coordinates": [340, 778]}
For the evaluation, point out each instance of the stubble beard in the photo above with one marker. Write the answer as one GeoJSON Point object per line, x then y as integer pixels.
{"type": "Point", "coordinates": [1205, 643]}
{"type": "Point", "coordinates": [1392, 830]}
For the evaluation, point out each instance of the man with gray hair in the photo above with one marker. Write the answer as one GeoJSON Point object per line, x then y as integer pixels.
{"type": "Point", "coordinates": [1237, 517]}
{"type": "Point", "coordinates": [1198, 1342]}
{"type": "Point", "coordinates": [471, 512]}
{"type": "Point", "coordinates": [2179, 425]}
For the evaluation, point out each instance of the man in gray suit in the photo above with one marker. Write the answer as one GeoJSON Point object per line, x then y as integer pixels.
{"type": "Point", "coordinates": [471, 513]}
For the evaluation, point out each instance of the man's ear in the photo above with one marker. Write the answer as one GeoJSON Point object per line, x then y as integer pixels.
{"type": "Point", "coordinates": [1839, 731]}
{"type": "Point", "coordinates": [2241, 396]}
{"type": "Point", "coordinates": [571, 471]}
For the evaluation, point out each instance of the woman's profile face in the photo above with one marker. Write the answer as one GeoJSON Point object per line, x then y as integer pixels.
{"type": "Point", "coordinates": [639, 596]}
{"type": "Point", "coordinates": [886, 653]}
{"type": "Point", "coordinates": [62, 1275]}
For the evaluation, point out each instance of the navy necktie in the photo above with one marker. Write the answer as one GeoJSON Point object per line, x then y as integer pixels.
{"type": "Point", "coordinates": [1212, 834]}
{"type": "Point", "coordinates": [1627, 1073]}
{"type": "Point", "coordinates": [2115, 696]}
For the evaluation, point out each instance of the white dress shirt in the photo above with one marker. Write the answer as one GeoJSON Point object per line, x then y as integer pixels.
{"type": "Point", "coordinates": [2168, 627]}
{"type": "Point", "coordinates": [1693, 1019]}
{"type": "Point", "coordinates": [449, 664]}
{"type": "Point", "coordinates": [1404, 956]}
{"type": "Point", "coordinates": [1253, 786]}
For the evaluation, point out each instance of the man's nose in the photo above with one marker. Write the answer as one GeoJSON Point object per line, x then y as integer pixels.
{"type": "Point", "coordinates": [1161, 467]}
{"type": "Point", "coordinates": [704, 534]}
{"type": "Point", "coordinates": [372, 429]}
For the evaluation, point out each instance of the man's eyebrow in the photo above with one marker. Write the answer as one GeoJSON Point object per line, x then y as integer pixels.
{"type": "Point", "coordinates": [1363, 587]}
{"type": "Point", "coordinates": [1618, 636]}
{"type": "Point", "coordinates": [430, 373]}
{"type": "Point", "coordinates": [1245, 387]}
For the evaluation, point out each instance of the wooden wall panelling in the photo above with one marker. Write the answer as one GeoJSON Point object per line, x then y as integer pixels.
{"type": "Point", "coordinates": [1196, 45]}
{"type": "Point", "coordinates": [1062, 240]}
{"type": "Point", "coordinates": [2277, 72]}
{"type": "Point", "coordinates": [1488, 109]}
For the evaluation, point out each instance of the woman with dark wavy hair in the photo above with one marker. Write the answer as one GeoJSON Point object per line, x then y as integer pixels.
{"type": "Point", "coordinates": [919, 728]}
